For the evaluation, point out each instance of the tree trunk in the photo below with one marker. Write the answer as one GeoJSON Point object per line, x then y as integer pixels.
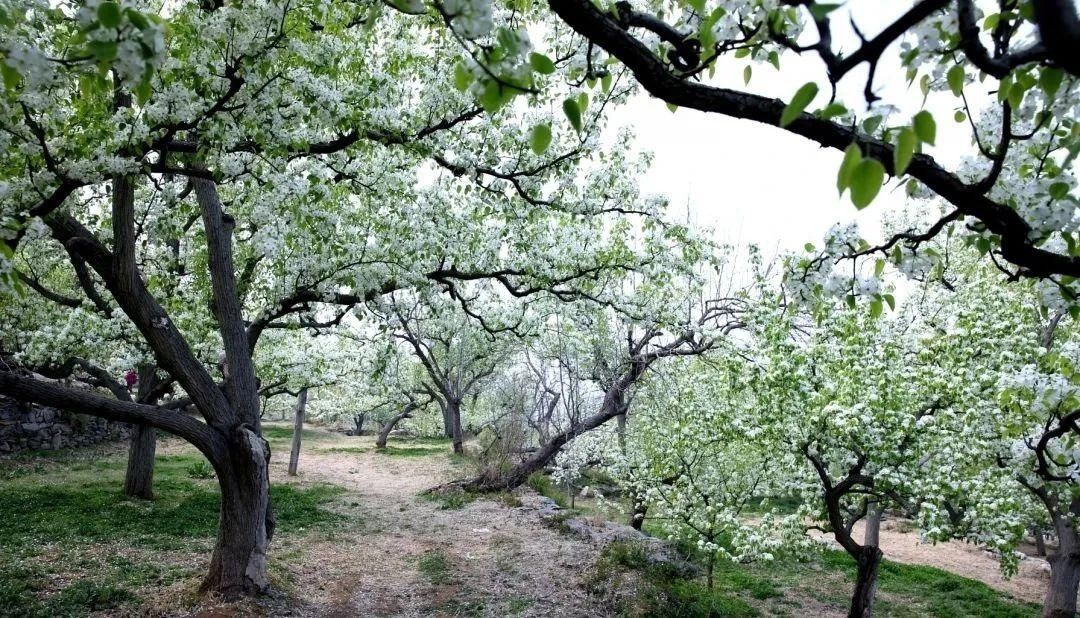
{"type": "Point", "coordinates": [139, 479]}
{"type": "Point", "coordinates": [453, 409]}
{"type": "Point", "coordinates": [873, 525]}
{"type": "Point", "coordinates": [359, 422]}
{"type": "Point", "coordinates": [1040, 541]}
{"type": "Point", "coordinates": [448, 424]}
{"type": "Point", "coordinates": [298, 430]}
{"type": "Point", "coordinates": [387, 427]}
{"type": "Point", "coordinates": [1064, 573]}
{"type": "Point", "coordinates": [637, 516]}
{"type": "Point", "coordinates": [867, 561]}
{"type": "Point", "coordinates": [238, 566]}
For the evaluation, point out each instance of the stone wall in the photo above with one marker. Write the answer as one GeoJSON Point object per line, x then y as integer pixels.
{"type": "Point", "coordinates": [33, 427]}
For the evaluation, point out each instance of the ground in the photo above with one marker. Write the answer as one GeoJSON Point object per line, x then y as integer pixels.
{"type": "Point", "coordinates": [358, 537]}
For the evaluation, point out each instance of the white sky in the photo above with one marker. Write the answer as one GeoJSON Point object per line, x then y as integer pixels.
{"type": "Point", "coordinates": [758, 184]}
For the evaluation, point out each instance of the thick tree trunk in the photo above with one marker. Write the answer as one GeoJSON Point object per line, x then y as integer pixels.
{"type": "Point", "coordinates": [384, 433]}
{"type": "Point", "coordinates": [454, 411]}
{"type": "Point", "coordinates": [448, 424]}
{"type": "Point", "coordinates": [873, 525]}
{"type": "Point", "coordinates": [238, 566]}
{"type": "Point", "coordinates": [1064, 573]}
{"type": "Point", "coordinates": [358, 420]}
{"type": "Point", "coordinates": [1040, 543]}
{"type": "Point", "coordinates": [867, 561]}
{"type": "Point", "coordinates": [298, 431]}
{"type": "Point", "coordinates": [139, 479]}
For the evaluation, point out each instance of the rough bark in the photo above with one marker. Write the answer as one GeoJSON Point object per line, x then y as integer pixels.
{"type": "Point", "coordinates": [139, 478]}
{"type": "Point", "coordinates": [453, 408]}
{"type": "Point", "coordinates": [384, 432]}
{"type": "Point", "coordinates": [298, 431]}
{"type": "Point", "coordinates": [1064, 572]}
{"type": "Point", "coordinates": [637, 516]}
{"type": "Point", "coordinates": [238, 566]}
{"type": "Point", "coordinates": [867, 561]}
{"type": "Point", "coordinates": [873, 525]}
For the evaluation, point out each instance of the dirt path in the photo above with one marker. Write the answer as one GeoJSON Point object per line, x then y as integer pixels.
{"type": "Point", "coordinates": [412, 557]}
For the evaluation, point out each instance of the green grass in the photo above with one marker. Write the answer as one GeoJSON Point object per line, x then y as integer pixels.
{"type": "Point", "coordinates": [660, 589]}
{"type": "Point", "coordinates": [285, 432]}
{"type": "Point", "coordinates": [58, 508]}
{"type": "Point", "coordinates": [542, 484]}
{"type": "Point", "coordinates": [435, 566]}
{"type": "Point", "coordinates": [408, 451]}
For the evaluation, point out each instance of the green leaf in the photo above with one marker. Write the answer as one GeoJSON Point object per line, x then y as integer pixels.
{"type": "Point", "coordinates": [1050, 80]}
{"type": "Point", "coordinates": [747, 73]}
{"type": "Point", "coordinates": [11, 76]}
{"type": "Point", "coordinates": [871, 124]}
{"type": "Point", "coordinates": [959, 116]}
{"type": "Point", "coordinates": [832, 110]}
{"type": "Point", "coordinates": [672, 107]}
{"type": "Point", "coordinates": [866, 181]}
{"type": "Point", "coordinates": [803, 97]}
{"type": "Point", "coordinates": [774, 59]}
{"type": "Point", "coordinates": [541, 63]}
{"type": "Point", "coordinates": [852, 157]}
{"type": "Point", "coordinates": [605, 82]}
{"type": "Point", "coordinates": [875, 308]}
{"type": "Point", "coordinates": [850, 299]}
{"type": "Point", "coordinates": [462, 77]}
{"type": "Point", "coordinates": [820, 10]}
{"type": "Point", "coordinates": [925, 127]}
{"type": "Point", "coordinates": [879, 267]}
{"type": "Point", "coordinates": [1059, 190]}
{"type": "Point", "coordinates": [890, 300]}
{"type": "Point", "coordinates": [108, 14]}
{"type": "Point", "coordinates": [809, 247]}
{"type": "Point", "coordinates": [697, 5]}
{"type": "Point", "coordinates": [955, 77]}
{"type": "Point", "coordinates": [983, 245]}
{"type": "Point", "coordinates": [906, 143]}
{"type": "Point", "coordinates": [102, 50]}
{"type": "Point", "coordinates": [540, 138]}
{"type": "Point", "coordinates": [572, 109]}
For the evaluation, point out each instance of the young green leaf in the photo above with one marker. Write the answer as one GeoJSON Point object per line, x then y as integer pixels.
{"type": "Point", "coordinates": [866, 181]}
{"type": "Point", "coordinates": [462, 77]}
{"type": "Point", "coordinates": [572, 110]}
{"type": "Point", "coordinates": [875, 308]}
{"type": "Point", "coordinates": [540, 138]}
{"type": "Point", "coordinates": [541, 63]}
{"type": "Point", "coordinates": [803, 97]}
{"type": "Point", "coordinates": [747, 73]}
{"type": "Point", "coordinates": [1050, 79]}
{"type": "Point", "coordinates": [108, 14]}
{"type": "Point", "coordinates": [925, 127]}
{"type": "Point", "coordinates": [852, 157]}
{"type": "Point", "coordinates": [955, 77]}
{"type": "Point", "coordinates": [906, 143]}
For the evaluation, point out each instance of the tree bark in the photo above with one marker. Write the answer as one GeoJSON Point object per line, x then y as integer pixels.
{"type": "Point", "coordinates": [453, 410]}
{"type": "Point", "coordinates": [637, 516]}
{"type": "Point", "coordinates": [238, 566]}
{"type": "Point", "coordinates": [139, 479]}
{"type": "Point", "coordinates": [384, 432]}
{"type": "Point", "coordinates": [867, 561]}
{"type": "Point", "coordinates": [358, 421]}
{"type": "Point", "coordinates": [298, 431]}
{"type": "Point", "coordinates": [1064, 572]}
{"type": "Point", "coordinates": [873, 525]}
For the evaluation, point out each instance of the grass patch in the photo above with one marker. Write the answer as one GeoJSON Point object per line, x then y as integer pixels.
{"type": "Point", "coordinates": [435, 566]}
{"type": "Point", "coordinates": [56, 512]}
{"type": "Point", "coordinates": [344, 449]}
{"type": "Point", "coordinates": [659, 589]}
{"type": "Point", "coordinates": [542, 484]}
{"type": "Point", "coordinates": [408, 451]}
{"type": "Point", "coordinates": [450, 498]}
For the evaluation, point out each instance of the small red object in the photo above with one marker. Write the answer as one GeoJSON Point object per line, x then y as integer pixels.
{"type": "Point", "coordinates": [131, 378]}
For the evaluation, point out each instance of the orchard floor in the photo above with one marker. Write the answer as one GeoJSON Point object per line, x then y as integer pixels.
{"type": "Point", "coordinates": [357, 538]}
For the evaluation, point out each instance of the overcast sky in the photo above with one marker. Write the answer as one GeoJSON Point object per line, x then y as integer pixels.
{"type": "Point", "coordinates": [754, 183]}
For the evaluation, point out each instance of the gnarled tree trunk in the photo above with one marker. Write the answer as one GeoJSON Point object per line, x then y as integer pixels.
{"type": "Point", "coordinates": [384, 432]}
{"type": "Point", "coordinates": [298, 431]}
{"type": "Point", "coordinates": [139, 478]}
{"type": "Point", "coordinates": [1064, 572]}
{"type": "Point", "coordinates": [238, 566]}
{"type": "Point", "coordinates": [453, 410]}
{"type": "Point", "coordinates": [873, 525]}
{"type": "Point", "coordinates": [867, 561]}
